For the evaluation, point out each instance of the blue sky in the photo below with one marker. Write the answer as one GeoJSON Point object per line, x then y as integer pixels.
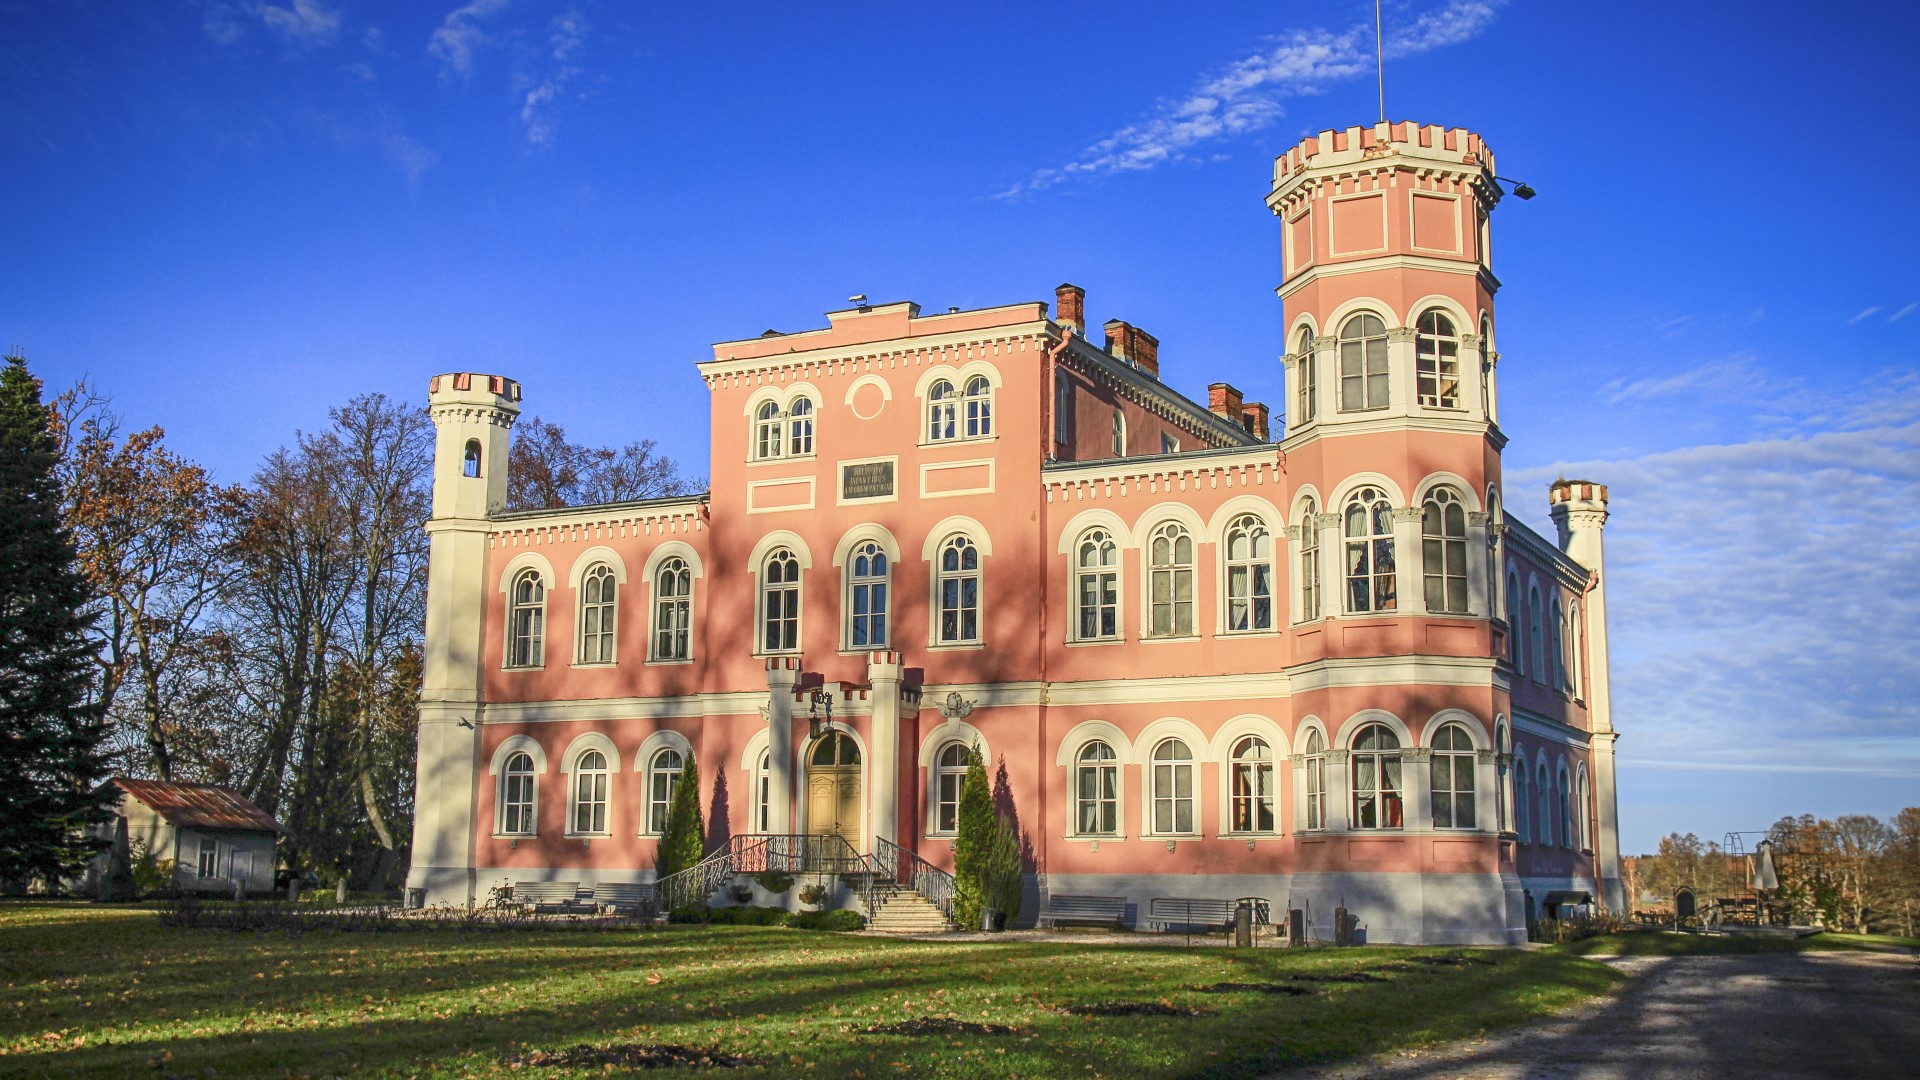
{"type": "Point", "coordinates": [234, 214]}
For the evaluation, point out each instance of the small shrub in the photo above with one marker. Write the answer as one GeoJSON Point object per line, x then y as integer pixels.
{"type": "Point", "coordinates": [812, 895]}
{"type": "Point", "coordinates": [840, 921]}
{"type": "Point", "coordinates": [774, 881]}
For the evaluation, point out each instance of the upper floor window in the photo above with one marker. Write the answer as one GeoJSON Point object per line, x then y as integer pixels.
{"type": "Point", "coordinates": [867, 597]}
{"type": "Point", "coordinates": [1536, 638]}
{"type": "Point", "coordinates": [1522, 810]}
{"type": "Point", "coordinates": [1315, 767]}
{"type": "Point", "coordinates": [1495, 545]}
{"type": "Point", "coordinates": [1573, 649]}
{"type": "Point", "coordinates": [1096, 587]}
{"type": "Point", "coordinates": [942, 412]}
{"type": "Point", "coordinates": [1170, 582]}
{"type": "Point", "coordinates": [1557, 676]}
{"type": "Point", "coordinates": [673, 610]}
{"type": "Point", "coordinates": [978, 407]}
{"type": "Point", "coordinates": [1309, 561]}
{"type": "Point", "coordinates": [1514, 629]}
{"type": "Point", "coordinates": [780, 602]}
{"type": "Point", "coordinates": [1486, 368]}
{"type": "Point", "coordinates": [762, 791]}
{"type": "Point", "coordinates": [1565, 792]}
{"type": "Point", "coordinates": [470, 464]}
{"type": "Point", "coordinates": [1583, 814]}
{"type": "Point", "coordinates": [590, 793]}
{"type": "Point", "coordinates": [663, 777]}
{"type": "Point", "coordinates": [958, 585]}
{"type": "Point", "coordinates": [1169, 444]}
{"type": "Point", "coordinates": [1545, 787]}
{"type": "Point", "coordinates": [526, 621]}
{"type": "Point", "coordinates": [1307, 390]}
{"type": "Point", "coordinates": [1172, 788]}
{"type": "Point", "coordinates": [1252, 792]}
{"type": "Point", "coordinates": [949, 775]}
{"type": "Point", "coordinates": [1436, 353]}
{"type": "Point", "coordinates": [769, 436]}
{"type": "Point", "coordinates": [1062, 409]}
{"type": "Point", "coordinates": [597, 606]}
{"type": "Point", "coordinates": [1376, 779]}
{"type": "Point", "coordinates": [1452, 773]}
{"type": "Point", "coordinates": [800, 428]}
{"type": "Point", "coordinates": [516, 795]}
{"type": "Point", "coordinates": [1443, 551]}
{"type": "Point", "coordinates": [1249, 575]}
{"type": "Point", "coordinates": [1096, 791]}
{"type": "Point", "coordinates": [1367, 523]}
{"type": "Point", "coordinates": [1119, 434]}
{"type": "Point", "coordinates": [1363, 363]}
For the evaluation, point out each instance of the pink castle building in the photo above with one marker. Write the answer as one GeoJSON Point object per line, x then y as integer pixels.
{"type": "Point", "coordinates": [1327, 671]}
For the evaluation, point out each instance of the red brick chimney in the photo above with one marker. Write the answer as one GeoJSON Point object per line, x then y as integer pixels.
{"type": "Point", "coordinates": [1224, 401]}
{"type": "Point", "coordinates": [1253, 417]}
{"type": "Point", "coordinates": [1070, 307]}
{"type": "Point", "coordinates": [1134, 346]}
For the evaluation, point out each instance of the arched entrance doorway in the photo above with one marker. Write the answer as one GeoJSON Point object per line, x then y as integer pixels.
{"type": "Point", "coordinates": [833, 787]}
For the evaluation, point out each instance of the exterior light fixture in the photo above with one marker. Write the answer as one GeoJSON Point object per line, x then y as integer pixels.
{"type": "Point", "coordinates": [1520, 189]}
{"type": "Point", "coordinates": [818, 702]}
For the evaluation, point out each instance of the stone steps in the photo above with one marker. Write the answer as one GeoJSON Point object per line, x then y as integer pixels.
{"type": "Point", "coordinates": [900, 910]}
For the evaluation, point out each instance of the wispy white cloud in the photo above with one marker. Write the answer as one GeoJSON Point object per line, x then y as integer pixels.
{"type": "Point", "coordinates": [1245, 96]}
{"type": "Point", "coordinates": [1864, 314]}
{"type": "Point", "coordinates": [1903, 312]}
{"type": "Point", "coordinates": [461, 34]}
{"type": "Point", "coordinates": [1733, 378]}
{"type": "Point", "coordinates": [300, 23]}
{"type": "Point", "coordinates": [566, 37]}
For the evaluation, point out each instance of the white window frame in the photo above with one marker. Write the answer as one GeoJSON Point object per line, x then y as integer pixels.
{"type": "Point", "coordinates": [526, 621]}
{"type": "Point", "coordinates": [1169, 444]}
{"type": "Point", "coordinates": [588, 792]}
{"type": "Point", "coordinates": [1381, 589]}
{"type": "Point", "coordinates": [800, 416]}
{"type": "Point", "coordinates": [1246, 763]}
{"type": "Point", "coordinates": [1171, 767]}
{"type": "Point", "coordinates": [665, 770]}
{"type": "Point", "coordinates": [208, 863]}
{"type": "Point", "coordinates": [1446, 770]}
{"type": "Point", "coordinates": [1249, 576]}
{"type": "Point", "coordinates": [763, 791]}
{"type": "Point", "coordinates": [1119, 433]}
{"type": "Point", "coordinates": [1314, 784]}
{"type": "Point", "coordinates": [943, 412]}
{"type": "Point", "coordinates": [1171, 572]}
{"type": "Point", "coordinates": [1104, 576]}
{"type": "Point", "coordinates": [1563, 790]}
{"type": "Point", "coordinates": [949, 777]}
{"type": "Point", "coordinates": [1311, 594]}
{"type": "Point", "coordinates": [789, 593]}
{"type": "Point", "coordinates": [1536, 636]}
{"type": "Point", "coordinates": [1105, 802]}
{"type": "Point", "coordinates": [1307, 393]}
{"type": "Point", "coordinates": [1443, 552]}
{"type": "Point", "coordinates": [1544, 782]}
{"type": "Point", "coordinates": [1365, 371]}
{"type": "Point", "coordinates": [976, 402]}
{"type": "Point", "coordinates": [769, 432]}
{"type": "Point", "coordinates": [599, 612]}
{"type": "Point", "coordinates": [1436, 364]}
{"type": "Point", "coordinates": [871, 587]}
{"type": "Point", "coordinates": [1387, 793]}
{"type": "Point", "coordinates": [672, 637]}
{"type": "Point", "coordinates": [954, 580]}
{"type": "Point", "coordinates": [518, 799]}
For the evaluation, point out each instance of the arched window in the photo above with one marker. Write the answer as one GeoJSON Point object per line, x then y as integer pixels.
{"type": "Point", "coordinates": [1536, 638]}
{"type": "Point", "coordinates": [1486, 369]}
{"type": "Point", "coordinates": [837, 748]}
{"type": "Point", "coordinates": [470, 463]}
{"type": "Point", "coordinates": [1096, 587]}
{"type": "Point", "coordinates": [597, 605]}
{"type": "Point", "coordinates": [673, 610]}
{"type": "Point", "coordinates": [800, 428]}
{"type": "Point", "coordinates": [1376, 779]}
{"type": "Point", "coordinates": [1501, 780]}
{"type": "Point", "coordinates": [1316, 781]}
{"type": "Point", "coordinates": [979, 407]}
{"type": "Point", "coordinates": [1119, 434]}
{"type": "Point", "coordinates": [1557, 672]}
{"type": "Point", "coordinates": [1583, 814]}
{"type": "Point", "coordinates": [1170, 582]}
{"type": "Point", "coordinates": [1545, 787]}
{"type": "Point", "coordinates": [1307, 393]}
{"type": "Point", "coordinates": [663, 776]}
{"type": "Point", "coordinates": [1495, 553]}
{"type": "Point", "coordinates": [1436, 353]}
{"type": "Point", "coordinates": [1563, 791]}
{"type": "Point", "coordinates": [780, 602]}
{"type": "Point", "coordinates": [867, 597]}
{"type": "Point", "coordinates": [768, 438]}
{"type": "Point", "coordinates": [1522, 809]}
{"type": "Point", "coordinates": [763, 791]}
{"type": "Point", "coordinates": [1249, 575]}
{"type": "Point", "coordinates": [1574, 665]}
{"type": "Point", "coordinates": [1452, 773]}
{"type": "Point", "coordinates": [1172, 783]}
{"type": "Point", "coordinates": [942, 412]}
{"type": "Point", "coordinates": [1096, 791]}
{"type": "Point", "coordinates": [516, 795]}
{"type": "Point", "coordinates": [1309, 561]}
{"type": "Point", "coordinates": [1443, 551]}
{"type": "Point", "coordinates": [1251, 794]}
{"type": "Point", "coordinates": [1368, 526]}
{"type": "Point", "coordinates": [1363, 364]}
{"type": "Point", "coordinates": [958, 585]}
{"type": "Point", "coordinates": [949, 775]}
{"type": "Point", "coordinates": [1516, 632]}
{"type": "Point", "coordinates": [590, 793]}
{"type": "Point", "coordinates": [526, 621]}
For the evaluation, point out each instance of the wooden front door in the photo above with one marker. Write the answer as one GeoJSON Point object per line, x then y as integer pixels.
{"type": "Point", "coordinates": [833, 788]}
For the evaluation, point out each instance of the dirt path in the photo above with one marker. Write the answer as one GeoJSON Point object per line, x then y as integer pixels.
{"type": "Point", "coordinates": [1772, 1015]}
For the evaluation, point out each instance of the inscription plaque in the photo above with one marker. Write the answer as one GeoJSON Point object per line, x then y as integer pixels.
{"type": "Point", "coordinates": [867, 480]}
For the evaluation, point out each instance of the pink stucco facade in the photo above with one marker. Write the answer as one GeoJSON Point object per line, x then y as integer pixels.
{"type": "Point", "coordinates": [1324, 670]}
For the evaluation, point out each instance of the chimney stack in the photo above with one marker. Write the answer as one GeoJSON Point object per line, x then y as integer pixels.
{"type": "Point", "coordinates": [1253, 417]}
{"type": "Point", "coordinates": [1134, 346]}
{"type": "Point", "coordinates": [1070, 307]}
{"type": "Point", "coordinates": [1223, 401]}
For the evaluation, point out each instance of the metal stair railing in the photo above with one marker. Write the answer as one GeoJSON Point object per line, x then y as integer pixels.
{"type": "Point", "coordinates": [905, 866]}
{"type": "Point", "coordinates": [786, 853]}
{"type": "Point", "coordinates": [697, 883]}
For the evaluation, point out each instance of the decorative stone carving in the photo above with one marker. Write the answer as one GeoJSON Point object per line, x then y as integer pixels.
{"type": "Point", "coordinates": [1325, 341]}
{"type": "Point", "coordinates": [1417, 755]}
{"type": "Point", "coordinates": [1400, 333]}
{"type": "Point", "coordinates": [955, 707]}
{"type": "Point", "coordinates": [1406, 513]}
{"type": "Point", "coordinates": [1477, 518]}
{"type": "Point", "coordinates": [1337, 757]}
{"type": "Point", "coordinates": [1486, 757]}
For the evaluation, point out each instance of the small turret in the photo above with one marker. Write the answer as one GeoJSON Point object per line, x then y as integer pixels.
{"type": "Point", "coordinates": [1579, 509]}
{"type": "Point", "coordinates": [472, 414]}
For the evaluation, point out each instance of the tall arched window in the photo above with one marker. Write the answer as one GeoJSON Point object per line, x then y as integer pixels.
{"type": "Point", "coordinates": [1516, 632]}
{"type": "Point", "coordinates": [1503, 765]}
{"type": "Point", "coordinates": [768, 436]}
{"type": "Point", "coordinates": [1486, 370]}
{"type": "Point", "coordinates": [1307, 394]}
{"type": "Point", "coordinates": [1574, 655]}
{"type": "Point", "coordinates": [1170, 582]}
{"type": "Point", "coordinates": [1096, 791]}
{"type": "Point", "coordinates": [663, 777]}
{"type": "Point", "coordinates": [958, 585]}
{"type": "Point", "coordinates": [1309, 561]}
{"type": "Point", "coordinates": [1495, 554]}
{"type": "Point", "coordinates": [763, 791]}
{"type": "Point", "coordinates": [942, 412]}
{"type": "Point", "coordinates": [1536, 638]}
{"type": "Point", "coordinates": [800, 428]}
{"type": "Point", "coordinates": [1564, 792]}
{"type": "Point", "coordinates": [526, 621]}
{"type": "Point", "coordinates": [597, 606]}
{"type": "Point", "coordinates": [1316, 783]}
{"type": "Point", "coordinates": [673, 610]}
{"type": "Point", "coordinates": [1119, 434]}
{"type": "Point", "coordinates": [1545, 820]}
{"type": "Point", "coordinates": [516, 795]}
{"type": "Point", "coordinates": [1249, 575]}
{"type": "Point", "coordinates": [978, 407]}
{"type": "Point", "coordinates": [1452, 773]}
{"type": "Point", "coordinates": [1557, 671]}
{"type": "Point", "coordinates": [780, 602]}
{"type": "Point", "coordinates": [1522, 808]}
{"type": "Point", "coordinates": [1252, 791]}
{"type": "Point", "coordinates": [1583, 814]}
{"type": "Point", "coordinates": [1368, 526]}
{"type": "Point", "coordinates": [1172, 783]}
{"type": "Point", "coordinates": [470, 461]}
{"type": "Point", "coordinates": [590, 793]}
{"type": "Point", "coordinates": [949, 776]}
{"type": "Point", "coordinates": [1376, 779]}
{"type": "Point", "coordinates": [1096, 586]}
{"type": "Point", "coordinates": [867, 597]}
{"type": "Point", "coordinates": [1436, 351]}
{"type": "Point", "coordinates": [1363, 363]}
{"type": "Point", "coordinates": [1443, 551]}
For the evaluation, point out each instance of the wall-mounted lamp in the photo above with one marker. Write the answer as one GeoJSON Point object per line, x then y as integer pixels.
{"type": "Point", "coordinates": [466, 723]}
{"type": "Point", "coordinates": [1519, 189]}
{"type": "Point", "coordinates": [819, 702]}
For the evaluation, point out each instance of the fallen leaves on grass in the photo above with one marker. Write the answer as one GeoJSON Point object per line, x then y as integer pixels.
{"type": "Point", "coordinates": [1131, 1008]}
{"type": "Point", "coordinates": [939, 1025]}
{"type": "Point", "coordinates": [1254, 988]}
{"type": "Point", "coordinates": [630, 1056]}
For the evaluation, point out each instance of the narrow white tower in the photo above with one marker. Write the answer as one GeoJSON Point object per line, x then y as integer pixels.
{"type": "Point", "coordinates": [1579, 509]}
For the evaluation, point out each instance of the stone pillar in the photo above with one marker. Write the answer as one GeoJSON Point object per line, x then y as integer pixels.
{"type": "Point", "coordinates": [1416, 781]}
{"type": "Point", "coordinates": [1339, 791]}
{"type": "Point", "coordinates": [1480, 587]}
{"type": "Point", "coordinates": [883, 816]}
{"type": "Point", "coordinates": [1333, 563]}
{"type": "Point", "coordinates": [1406, 561]}
{"type": "Point", "coordinates": [783, 672]}
{"type": "Point", "coordinates": [1606, 847]}
{"type": "Point", "coordinates": [1490, 800]}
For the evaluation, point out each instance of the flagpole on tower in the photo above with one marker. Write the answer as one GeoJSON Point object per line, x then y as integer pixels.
{"type": "Point", "coordinates": [1380, 60]}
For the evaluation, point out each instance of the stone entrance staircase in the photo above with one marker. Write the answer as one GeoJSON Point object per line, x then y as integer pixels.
{"type": "Point", "coordinates": [899, 909]}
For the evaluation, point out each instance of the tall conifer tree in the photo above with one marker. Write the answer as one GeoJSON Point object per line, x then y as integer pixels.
{"type": "Point", "coordinates": [684, 844]}
{"type": "Point", "coordinates": [51, 735]}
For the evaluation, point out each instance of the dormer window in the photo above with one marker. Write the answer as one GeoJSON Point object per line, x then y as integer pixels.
{"type": "Point", "coordinates": [470, 466]}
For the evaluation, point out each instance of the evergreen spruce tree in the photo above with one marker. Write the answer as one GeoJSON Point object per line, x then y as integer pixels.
{"type": "Point", "coordinates": [973, 842]}
{"type": "Point", "coordinates": [51, 733]}
{"type": "Point", "coordinates": [684, 843]}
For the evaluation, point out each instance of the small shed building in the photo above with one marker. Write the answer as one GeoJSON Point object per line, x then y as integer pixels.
{"type": "Point", "coordinates": [215, 838]}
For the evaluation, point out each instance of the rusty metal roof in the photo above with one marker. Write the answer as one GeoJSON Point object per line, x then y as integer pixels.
{"type": "Point", "coordinates": [199, 806]}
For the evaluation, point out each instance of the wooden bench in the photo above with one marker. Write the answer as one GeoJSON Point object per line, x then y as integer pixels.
{"type": "Point", "coordinates": [549, 897]}
{"type": "Point", "coordinates": [1100, 910]}
{"type": "Point", "coordinates": [1165, 912]}
{"type": "Point", "coordinates": [622, 897]}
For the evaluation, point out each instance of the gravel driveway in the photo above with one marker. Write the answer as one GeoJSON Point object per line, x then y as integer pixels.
{"type": "Point", "coordinates": [1768, 1015]}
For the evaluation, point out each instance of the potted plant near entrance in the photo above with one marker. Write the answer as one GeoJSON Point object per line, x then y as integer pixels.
{"type": "Point", "coordinates": [813, 895]}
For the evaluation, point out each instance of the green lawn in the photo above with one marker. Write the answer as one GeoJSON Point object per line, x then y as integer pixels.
{"type": "Point", "coordinates": [1667, 943]}
{"type": "Point", "coordinates": [103, 991]}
